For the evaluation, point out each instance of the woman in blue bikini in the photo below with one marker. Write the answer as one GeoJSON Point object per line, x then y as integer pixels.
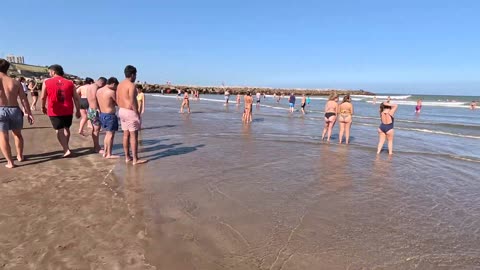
{"type": "Point", "coordinates": [385, 130]}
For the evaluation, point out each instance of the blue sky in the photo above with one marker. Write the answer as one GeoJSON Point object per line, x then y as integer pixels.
{"type": "Point", "coordinates": [421, 46]}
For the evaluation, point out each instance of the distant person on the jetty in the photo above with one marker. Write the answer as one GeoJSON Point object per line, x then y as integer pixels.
{"type": "Point", "coordinates": [129, 115]}
{"type": "Point", "coordinates": [227, 97]}
{"type": "Point", "coordinates": [32, 86]}
{"type": "Point", "coordinates": [248, 100]}
{"type": "Point", "coordinates": [82, 93]}
{"type": "Point", "coordinates": [304, 103]}
{"type": "Point", "coordinates": [106, 97]}
{"type": "Point", "coordinates": [473, 105]}
{"type": "Point", "coordinates": [185, 102]}
{"type": "Point", "coordinates": [60, 96]}
{"type": "Point", "coordinates": [345, 111]}
{"type": "Point", "coordinates": [331, 108]}
{"type": "Point", "coordinates": [418, 108]}
{"type": "Point", "coordinates": [140, 100]}
{"type": "Point", "coordinates": [93, 114]}
{"type": "Point", "coordinates": [11, 116]}
{"type": "Point", "coordinates": [291, 102]}
{"type": "Point", "coordinates": [385, 131]}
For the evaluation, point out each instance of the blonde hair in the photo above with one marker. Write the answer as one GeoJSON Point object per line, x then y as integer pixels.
{"type": "Point", "coordinates": [333, 96]}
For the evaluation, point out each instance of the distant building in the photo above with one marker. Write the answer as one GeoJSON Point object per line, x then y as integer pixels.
{"type": "Point", "coordinates": [15, 59]}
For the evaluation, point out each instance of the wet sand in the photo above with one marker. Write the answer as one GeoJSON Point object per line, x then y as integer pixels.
{"type": "Point", "coordinates": [62, 213]}
{"type": "Point", "coordinates": [220, 195]}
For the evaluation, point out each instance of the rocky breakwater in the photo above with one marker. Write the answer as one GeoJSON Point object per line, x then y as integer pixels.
{"type": "Point", "coordinates": [173, 89]}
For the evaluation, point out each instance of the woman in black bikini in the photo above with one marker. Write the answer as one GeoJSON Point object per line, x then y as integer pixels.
{"type": "Point", "coordinates": [331, 109]}
{"type": "Point", "coordinates": [32, 86]}
{"type": "Point", "coordinates": [385, 130]}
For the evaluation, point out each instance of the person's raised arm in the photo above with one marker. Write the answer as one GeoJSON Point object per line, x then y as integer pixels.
{"type": "Point", "coordinates": [44, 98]}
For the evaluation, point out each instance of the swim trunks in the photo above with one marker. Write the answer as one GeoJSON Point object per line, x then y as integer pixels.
{"type": "Point", "coordinates": [61, 122]}
{"type": "Point", "coordinates": [84, 104]}
{"type": "Point", "coordinates": [11, 118]}
{"type": "Point", "coordinates": [34, 94]}
{"type": "Point", "coordinates": [129, 120]}
{"type": "Point", "coordinates": [109, 121]}
{"type": "Point", "coordinates": [291, 104]}
{"type": "Point", "coordinates": [92, 115]}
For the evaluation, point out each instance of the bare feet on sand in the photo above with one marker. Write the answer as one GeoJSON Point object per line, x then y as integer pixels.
{"type": "Point", "coordinates": [20, 158]}
{"type": "Point", "coordinates": [10, 165]}
{"type": "Point", "coordinates": [111, 156]}
{"type": "Point", "coordinates": [67, 154]}
{"type": "Point", "coordinates": [139, 161]}
{"type": "Point", "coordinates": [128, 159]}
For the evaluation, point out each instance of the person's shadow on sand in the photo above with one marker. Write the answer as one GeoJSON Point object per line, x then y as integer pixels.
{"type": "Point", "coordinates": [34, 159]}
{"type": "Point", "coordinates": [173, 152]}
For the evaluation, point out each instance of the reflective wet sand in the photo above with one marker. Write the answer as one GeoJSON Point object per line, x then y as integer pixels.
{"type": "Point", "coordinates": [220, 195]}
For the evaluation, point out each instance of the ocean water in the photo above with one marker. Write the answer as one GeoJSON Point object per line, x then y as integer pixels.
{"type": "Point", "coordinates": [220, 194]}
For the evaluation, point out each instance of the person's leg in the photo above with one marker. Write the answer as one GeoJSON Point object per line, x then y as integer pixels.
{"type": "Point", "coordinates": [126, 145]}
{"type": "Point", "coordinates": [181, 107]}
{"type": "Point", "coordinates": [188, 107]}
{"type": "Point", "coordinates": [83, 121]}
{"type": "Point", "coordinates": [330, 126]}
{"type": "Point", "coordinates": [96, 138]}
{"type": "Point", "coordinates": [63, 140]}
{"type": "Point", "coordinates": [390, 141]}
{"type": "Point", "coordinates": [381, 141]}
{"type": "Point", "coordinates": [134, 146]}
{"type": "Point", "coordinates": [6, 150]}
{"type": "Point", "coordinates": [34, 103]}
{"type": "Point", "coordinates": [347, 132]}
{"type": "Point", "coordinates": [340, 133]}
{"type": "Point", "coordinates": [17, 135]}
{"type": "Point", "coordinates": [325, 128]}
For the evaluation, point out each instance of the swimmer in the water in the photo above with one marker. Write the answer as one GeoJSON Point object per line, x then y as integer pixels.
{"type": "Point", "coordinates": [418, 108]}
{"type": "Point", "coordinates": [473, 105]}
{"type": "Point", "coordinates": [385, 130]}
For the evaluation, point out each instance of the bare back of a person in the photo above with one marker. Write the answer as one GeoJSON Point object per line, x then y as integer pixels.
{"type": "Point", "coordinates": [346, 108]}
{"type": "Point", "coordinates": [248, 101]}
{"type": "Point", "coordinates": [82, 91]}
{"type": "Point", "coordinates": [92, 96]}
{"type": "Point", "coordinates": [124, 94]}
{"type": "Point", "coordinates": [9, 91]}
{"type": "Point", "coordinates": [106, 100]}
{"type": "Point", "coordinates": [331, 106]}
{"type": "Point", "coordinates": [386, 117]}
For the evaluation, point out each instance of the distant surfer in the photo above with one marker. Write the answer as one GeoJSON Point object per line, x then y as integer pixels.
{"type": "Point", "coordinates": [418, 108]}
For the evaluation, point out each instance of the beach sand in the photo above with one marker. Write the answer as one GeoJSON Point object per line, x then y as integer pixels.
{"type": "Point", "coordinates": [217, 194]}
{"type": "Point", "coordinates": [61, 213]}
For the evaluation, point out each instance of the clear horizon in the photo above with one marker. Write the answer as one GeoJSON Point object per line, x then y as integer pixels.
{"type": "Point", "coordinates": [412, 47]}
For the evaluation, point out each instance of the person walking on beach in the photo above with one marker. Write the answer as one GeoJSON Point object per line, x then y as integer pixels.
{"type": "Point", "coordinates": [418, 108]}
{"type": "Point", "coordinates": [258, 99]}
{"type": "Point", "coordinates": [185, 102]}
{"type": "Point", "coordinates": [248, 100]}
{"type": "Point", "coordinates": [82, 93]}
{"type": "Point", "coordinates": [92, 112]}
{"type": "Point", "coordinates": [304, 103]}
{"type": "Point", "coordinates": [331, 108]}
{"type": "Point", "coordinates": [385, 130]}
{"type": "Point", "coordinates": [238, 99]}
{"type": "Point", "coordinates": [11, 116]}
{"type": "Point", "coordinates": [106, 97]}
{"type": "Point", "coordinates": [129, 115]}
{"type": "Point", "coordinates": [374, 101]}
{"type": "Point", "coordinates": [291, 103]}
{"type": "Point", "coordinates": [60, 96]}
{"type": "Point", "coordinates": [32, 86]}
{"type": "Point", "coordinates": [345, 113]}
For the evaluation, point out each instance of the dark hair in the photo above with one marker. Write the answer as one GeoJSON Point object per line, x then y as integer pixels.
{"type": "Point", "coordinates": [112, 80]}
{"type": "Point", "coordinates": [89, 80]}
{"type": "Point", "coordinates": [57, 69]}
{"type": "Point", "coordinates": [130, 71]}
{"type": "Point", "coordinates": [383, 107]}
{"type": "Point", "coordinates": [22, 79]}
{"type": "Point", "coordinates": [102, 79]}
{"type": "Point", "coordinates": [248, 93]}
{"type": "Point", "coordinates": [347, 98]}
{"type": "Point", "coordinates": [4, 66]}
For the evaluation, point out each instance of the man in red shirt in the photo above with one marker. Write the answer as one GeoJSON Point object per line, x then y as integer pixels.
{"type": "Point", "coordinates": [60, 95]}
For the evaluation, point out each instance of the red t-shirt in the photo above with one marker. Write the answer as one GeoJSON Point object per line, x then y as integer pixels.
{"type": "Point", "coordinates": [59, 96]}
